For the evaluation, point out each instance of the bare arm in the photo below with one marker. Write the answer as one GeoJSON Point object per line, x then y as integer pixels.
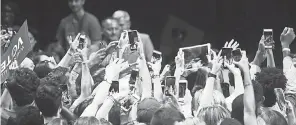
{"type": "Point", "coordinates": [270, 58]}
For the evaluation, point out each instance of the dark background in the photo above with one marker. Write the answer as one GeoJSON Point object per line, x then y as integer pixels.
{"type": "Point", "coordinates": [221, 20]}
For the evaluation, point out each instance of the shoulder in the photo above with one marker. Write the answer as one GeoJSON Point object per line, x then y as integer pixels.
{"type": "Point", "coordinates": [144, 35]}
{"type": "Point", "coordinates": [67, 19]}
{"type": "Point", "coordinates": [91, 17]}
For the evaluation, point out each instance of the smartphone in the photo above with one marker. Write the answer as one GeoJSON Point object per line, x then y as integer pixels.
{"type": "Point", "coordinates": [114, 87]}
{"type": "Point", "coordinates": [81, 41]}
{"type": "Point", "coordinates": [183, 84]}
{"type": "Point", "coordinates": [127, 105]}
{"type": "Point", "coordinates": [133, 38]}
{"type": "Point", "coordinates": [268, 38]}
{"type": "Point", "coordinates": [237, 55]}
{"type": "Point", "coordinates": [227, 56]}
{"type": "Point", "coordinates": [133, 79]}
{"type": "Point", "coordinates": [170, 88]}
{"type": "Point", "coordinates": [280, 97]}
{"type": "Point", "coordinates": [156, 56]}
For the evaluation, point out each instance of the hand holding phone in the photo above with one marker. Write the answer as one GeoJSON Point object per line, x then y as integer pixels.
{"type": "Point", "coordinates": [281, 100]}
{"type": "Point", "coordinates": [170, 87]}
{"type": "Point", "coordinates": [226, 54]}
{"type": "Point", "coordinates": [268, 38]}
{"type": "Point", "coordinates": [82, 40]}
{"type": "Point", "coordinates": [237, 54]}
{"type": "Point", "coordinates": [133, 38]}
{"type": "Point", "coordinates": [183, 84]}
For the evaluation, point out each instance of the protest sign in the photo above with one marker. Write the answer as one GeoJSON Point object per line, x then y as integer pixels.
{"type": "Point", "coordinates": [16, 52]}
{"type": "Point", "coordinates": [194, 54]}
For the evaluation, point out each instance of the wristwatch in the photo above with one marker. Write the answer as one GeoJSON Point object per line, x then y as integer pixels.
{"type": "Point", "coordinates": [212, 75]}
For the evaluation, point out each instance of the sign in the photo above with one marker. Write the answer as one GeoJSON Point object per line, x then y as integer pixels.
{"type": "Point", "coordinates": [16, 52]}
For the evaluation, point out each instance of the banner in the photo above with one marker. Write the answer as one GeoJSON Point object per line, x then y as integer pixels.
{"type": "Point", "coordinates": [16, 52]}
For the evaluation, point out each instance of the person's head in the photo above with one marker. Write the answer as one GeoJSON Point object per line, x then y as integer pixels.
{"type": "Point", "coordinates": [213, 114]}
{"type": "Point", "coordinates": [22, 84]}
{"type": "Point", "coordinates": [42, 69]}
{"type": "Point", "coordinates": [272, 117]}
{"type": "Point", "coordinates": [167, 115]}
{"type": "Point", "coordinates": [229, 121]}
{"type": "Point", "coordinates": [123, 18]}
{"type": "Point", "coordinates": [271, 78]}
{"type": "Point", "coordinates": [29, 115]}
{"type": "Point", "coordinates": [218, 99]}
{"type": "Point", "coordinates": [193, 121]}
{"type": "Point", "coordinates": [49, 98]}
{"type": "Point", "coordinates": [201, 77]}
{"type": "Point", "coordinates": [27, 63]}
{"type": "Point", "coordinates": [58, 121]}
{"type": "Point", "coordinates": [111, 29]}
{"type": "Point", "coordinates": [91, 121]}
{"type": "Point", "coordinates": [76, 5]}
{"type": "Point", "coordinates": [146, 109]}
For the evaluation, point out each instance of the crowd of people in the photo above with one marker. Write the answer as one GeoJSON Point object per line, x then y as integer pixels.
{"type": "Point", "coordinates": [108, 81]}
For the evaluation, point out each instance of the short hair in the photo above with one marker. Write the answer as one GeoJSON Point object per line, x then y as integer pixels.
{"type": "Point", "coordinates": [121, 15]}
{"type": "Point", "coordinates": [42, 69]}
{"type": "Point", "coordinates": [167, 116]}
{"type": "Point", "coordinates": [146, 108]}
{"type": "Point", "coordinates": [213, 114]}
{"type": "Point", "coordinates": [218, 99]}
{"type": "Point", "coordinates": [29, 115]}
{"type": "Point", "coordinates": [193, 121]}
{"type": "Point", "coordinates": [229, 121]}
{"type": "Point", "coordinates": [106, 20]}
{"type": "Point", "coordinates": [22, 84]}
{"type": "Point", "coordinates": [58, 121]}
{"type": "Point", "coordinates": [48, 97]}
{"type": "Point", "coordinates": [91, 121]}
{"type": "Point", "coordinates": [272, 117]}
{"type": "Point", "coordinates": [201, 77]}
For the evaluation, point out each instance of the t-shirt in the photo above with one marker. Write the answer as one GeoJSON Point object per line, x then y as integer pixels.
{"type": "Point", "coordinates": [69, 26]}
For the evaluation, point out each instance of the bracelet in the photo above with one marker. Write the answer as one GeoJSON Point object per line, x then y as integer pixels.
{"type": "Point", "coordinates": [286, 49]}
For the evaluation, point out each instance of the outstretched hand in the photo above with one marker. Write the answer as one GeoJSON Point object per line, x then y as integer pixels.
{"type": "Point", "coordinates": [243, 64]}
{"type": "Point", "coordinates": [113, 70]}
{"type": "Point", "coordinates": [217, 63]}
{"type": "Point", "coordinates": [74, 44]}
{"type": "Point", "coordinates": [232, 44]}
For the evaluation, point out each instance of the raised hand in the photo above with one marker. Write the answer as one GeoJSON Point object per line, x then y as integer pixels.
{"type": "Point", "coordinates": [217, 63]}
{"type": "Point", "coordinates": [123, 40]}
{"type": "Point", "coordinates": [179, 60]}
{"type": "Point", "coordinates": [287, 36]}
{"type": "Point", "coordinates": [113, 70]}
{"type": "Point", "coordinates": [74, 44]}
{"type": "Point", "coordinates": [111, 45]}
{"type": "Point", "coordinates": [232, 44]}
{"type": "Point", "coordinates": [243, 64]}
{"type": "Point", "coordinates": [97, 57]}
{"type": "Point", "coordinates": [156, 66]}
{"type": "Point", "coordinates": [233, 69]}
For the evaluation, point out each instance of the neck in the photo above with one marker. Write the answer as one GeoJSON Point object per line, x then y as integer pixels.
{"type": "Point", "coordinates": [79, 14]}
{"type": "Point", "coordinates": [48, 119]}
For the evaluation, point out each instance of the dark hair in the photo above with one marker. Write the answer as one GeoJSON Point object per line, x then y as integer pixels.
{"type": "Point", "coordinates": [146, 108]}
{"type": "Point", "coordinates": [114, 115]}
{"type": "Point", "coordinates": [22, 84]}
{"type": "Point", "coordinates": [42, 69]}
{"type": "Point", "coordinates": [272, 117]}
{"type": "Point", "coordinates": [201, 77]}
{"type": "Point", "coordinates": [58, 121]}
{"type": "Point", "coordinates": [48, 97]}
{"type": "Point", "coordinates": [29, 115]}
{"type": "Point", "coordinates": [167, 116]}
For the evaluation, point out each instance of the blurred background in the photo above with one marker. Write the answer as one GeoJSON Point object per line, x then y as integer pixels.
{"type": "Point", "coordinates": [220, 20]}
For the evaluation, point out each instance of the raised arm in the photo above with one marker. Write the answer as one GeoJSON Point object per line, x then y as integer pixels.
{"type": "Point", "coordinates": [260, 54]}
{"type": "Point", "coordinates": [67, 58]}
{"type": "Point", "coordinates": [156, 80]}
{"type": "Point", "coordinates": [249, 98]}
{"type": "Point", "coordinates": [287, 38]}
{"type": "Point", "coordinates": [270, 58]}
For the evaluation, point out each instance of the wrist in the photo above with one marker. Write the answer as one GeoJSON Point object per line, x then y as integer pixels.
{"type": "Point", "coordinates": [285, 45]}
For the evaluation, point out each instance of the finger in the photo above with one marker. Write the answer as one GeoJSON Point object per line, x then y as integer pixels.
{"type": "Point", "coordinates": [244, 54]}
{"type": "Point", "coordinates": [77, 37]}
{"type": "Point", "coordinates": [226, 44]}
{"type": "Point", "coordinates": [219, 54]}
{"type": "Point", "coordinates": [285, 31]}
{"type": "Point", "coordinates": [230, 43]}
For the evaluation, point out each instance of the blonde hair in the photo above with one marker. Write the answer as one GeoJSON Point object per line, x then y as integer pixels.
{"type": "Point", "coordinates": [121, 15]}
{"type": "Point", "coordinates": [193, 121]}
{"type": "Point", "coordinates": [218, 99]}
{"type": "Point", "coordinates": [213, 114]}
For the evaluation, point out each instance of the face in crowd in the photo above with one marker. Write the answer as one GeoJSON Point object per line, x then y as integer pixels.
{"type": "Point", "coordinates": [123, 19]}
{"type": "Point", "coordinates": [76, 5]}
{"type": "Point", "coordinates": [111, 29]}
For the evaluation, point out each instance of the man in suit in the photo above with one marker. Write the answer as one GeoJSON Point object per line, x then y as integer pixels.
{"type": "Point", "coordinates": [125, 23]}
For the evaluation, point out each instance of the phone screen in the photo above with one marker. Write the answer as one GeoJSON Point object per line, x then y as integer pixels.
{"type": "Point", "coordinates": [280, 98]}
{"type": "Point", "coordinates": [133, 79]}
{"type": "Point", "coordinates": [156, 54]}
{"type": "Point", "coordinates": [133, 38]}
{"type": "Point", "coordinates": [170, 87]}
{"type": "Point", "coordinates": [237, 55]}
{"type": "Point", "coordinates": [127, 105]}
{"type": "Point", "coordinates": [226, 55]}
{"type": "Point", "coordinates": [182, 88]}
{"type": "Point", "coordinates": [114, 87]}
{"type": "Point", "coordinates": [268, 38]}
{"type": "Point", "coordinates": [81, 42]}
